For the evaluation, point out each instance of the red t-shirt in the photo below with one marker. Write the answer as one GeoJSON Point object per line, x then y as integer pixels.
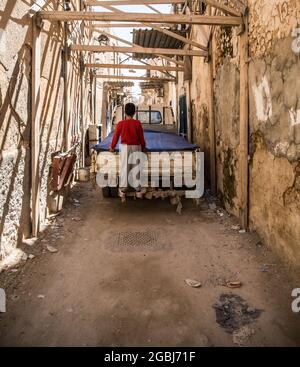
{"type": "Point", "coordinates": [131, 132]}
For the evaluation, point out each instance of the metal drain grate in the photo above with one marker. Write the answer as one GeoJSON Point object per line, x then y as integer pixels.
{"type": "Point", "coordinates": [146, 239]}
{"type": "Point", "coordinates": [136, 241]}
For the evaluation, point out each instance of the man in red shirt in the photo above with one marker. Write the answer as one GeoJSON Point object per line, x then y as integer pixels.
{"type": "Point", "coordinates": [132, 140]}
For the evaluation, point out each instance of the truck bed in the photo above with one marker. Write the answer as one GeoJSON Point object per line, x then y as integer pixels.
{"type": "Point", "coordinates": [156, 141]}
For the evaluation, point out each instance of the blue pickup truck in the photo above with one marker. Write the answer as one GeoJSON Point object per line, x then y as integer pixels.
{"type": "Point", "coordinates": [160, 132]}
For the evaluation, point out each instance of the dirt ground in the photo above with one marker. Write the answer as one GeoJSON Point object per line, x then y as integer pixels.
{"type": "Point", "coordinates": [118, 279]}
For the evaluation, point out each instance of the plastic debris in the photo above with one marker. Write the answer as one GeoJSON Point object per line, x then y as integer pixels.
{"type": "Point", "coordinates": [193, 283]}
{"type": "Point", "coordinates": [179, 208]}
{"type": "Point", "coordinates": [52, 249]}
{"type": "Point", "coordinates": [264, 268]}
{"type": "Point", "coordinates": [233, 284]}
{"type": "Point", "coordinates": [30, 241]}
{"type": "Point", "coordinates": [77, 219]}
{"type": "Point", "coordinates": [212, 206]}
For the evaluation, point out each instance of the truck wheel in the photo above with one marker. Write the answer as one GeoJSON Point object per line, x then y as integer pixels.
{"type": "Point", "coordinates": [106, 192]}
{"type": "Point", "coordinates": [114, 192]}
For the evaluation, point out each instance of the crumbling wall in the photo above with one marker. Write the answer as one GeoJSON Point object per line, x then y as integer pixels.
{"type": "Point", "coordinates": [274, 116]}
{"type": "Point", "coordinates": [199, 99]}
{"type": "Point", "coordinates": [274, 122]}
{"type": "Point", "coordinates": [15, 117]}
{"type": "Point", "coordinates": [226, 105]}
{"type": "Point", "coordinates": [274, 119]}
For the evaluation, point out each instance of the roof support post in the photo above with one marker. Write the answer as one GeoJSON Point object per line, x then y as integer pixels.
{"type": "Point", "coordinates": [66, 88]}
{"type": "Point", "coordinates": [211, 116]}
{"type": "Point", "coordinates": [244, 129]}
{"type": "Point", "coordinates": [35, 124]}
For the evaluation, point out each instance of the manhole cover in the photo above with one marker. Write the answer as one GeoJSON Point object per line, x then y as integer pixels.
{"type": "Point", "coordinates": [132, 241]}
{"type": "Point", "coordinates": [137, 239]}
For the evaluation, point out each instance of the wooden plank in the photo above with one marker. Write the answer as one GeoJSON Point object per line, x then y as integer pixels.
{"type": "Point", "coordinates": [121, 25]}
{"type": "Point", "coordinates": [35, 125]}
{"type": "Point", "coordinates": [180, 63]}
{"type": "Point", "coordinates": [131, 2]}
{"type": "Point", "coordinates": [225, 8]}
{"type": "Point", "coordinates": [177, 36]}
{"type": "Point", "coordinates": [214, 3]}
{"type": "Point", "coordinates": [66, 90]}
{"type": "Point", "coordinates": [132, 44]}
{"type": "Point", "coordinates": [244, 129]}
{"type": "Point", "coordinates": [134, 66]}
{"type": "Point", "coordinates": [140, 17]}
{"type": "Point", "coordinates": [124, 77]}
{"type": "Point", "coordinates": [82, 120]}
{"type": "Point", "coordinates": [187, 85]}
{"type": "Point", "coordinates": [211, 116]}
{"type": "Point", "coordinates": [165, 31]}
{"type": "Point", "coordinates": [138, 49]}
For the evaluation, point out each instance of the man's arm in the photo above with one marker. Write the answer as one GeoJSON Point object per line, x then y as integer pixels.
{"type": "Point", "coordinates": [115, 137]}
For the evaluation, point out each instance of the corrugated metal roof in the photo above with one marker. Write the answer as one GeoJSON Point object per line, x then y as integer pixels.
{"type": "Point", "coordinates": [154, 39]}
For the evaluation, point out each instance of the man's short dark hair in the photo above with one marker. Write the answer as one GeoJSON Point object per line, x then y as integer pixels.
{"type": "Point", "coordinates": [130, 109]}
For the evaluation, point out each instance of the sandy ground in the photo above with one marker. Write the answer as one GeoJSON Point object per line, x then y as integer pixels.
{"type": "Point", "coordinates": [118, 279]}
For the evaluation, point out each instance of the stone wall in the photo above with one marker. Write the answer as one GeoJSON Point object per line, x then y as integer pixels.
{"type": "Point", "coordinates": [274, 72]}
{"type": "Point", "coordinates": [274, 119]}
{"type": "Point", "coordinates": [15, 115]}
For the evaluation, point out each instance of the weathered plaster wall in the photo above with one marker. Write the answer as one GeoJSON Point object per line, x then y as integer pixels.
{"type": "Point", "coordinates": [15, 117]}
{"type": "Point", "coordinates": [274, 119]}
{"type": "Point", "coordinates": [226, 105]}
{"type": "Point", "coordinates": [15, 73]}
{"type": "Point", "coordinates": [274, 72]}
{"type": "Point", "coordinates": [199, 95]}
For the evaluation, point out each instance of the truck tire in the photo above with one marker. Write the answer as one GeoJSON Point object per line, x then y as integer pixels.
{"type": "Point", "coordinates": [106, 192]}
{"type": "Point", "coordinates": [114, 192]}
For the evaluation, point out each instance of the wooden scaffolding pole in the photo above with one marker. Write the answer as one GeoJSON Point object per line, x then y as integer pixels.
{"type": "Point", "coordinates": [131, 2]}
{"type": "Point", "coordinates": [69, 16]}
{"type": "Point", "coordinates": [165, 31]}
{"type": "Point", "coordinates": [217, 5]}
{"type": "Point", "coordinates": [129, 66]}
{"type": "Point", "coordinates": [35, 125]}
{"type": "Point", "coordinates": [132, 44]}
{"type": "Point", "coordinates": [124, 77]}
{"type": "Point", "coordinates": [66, 89]}
{"type": "Point", "coordinates": [138, 49]}
{"type": "Point", "coordinates": [214, 3]}
{"type": "Point", "coordinates": [244, 128]}
{"type": "Point", "coordinates": [212, 137]}
{"type": "Point", "coordinates": [225, 8]}
{"type": "Point", "coordinates": [100, 26]}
